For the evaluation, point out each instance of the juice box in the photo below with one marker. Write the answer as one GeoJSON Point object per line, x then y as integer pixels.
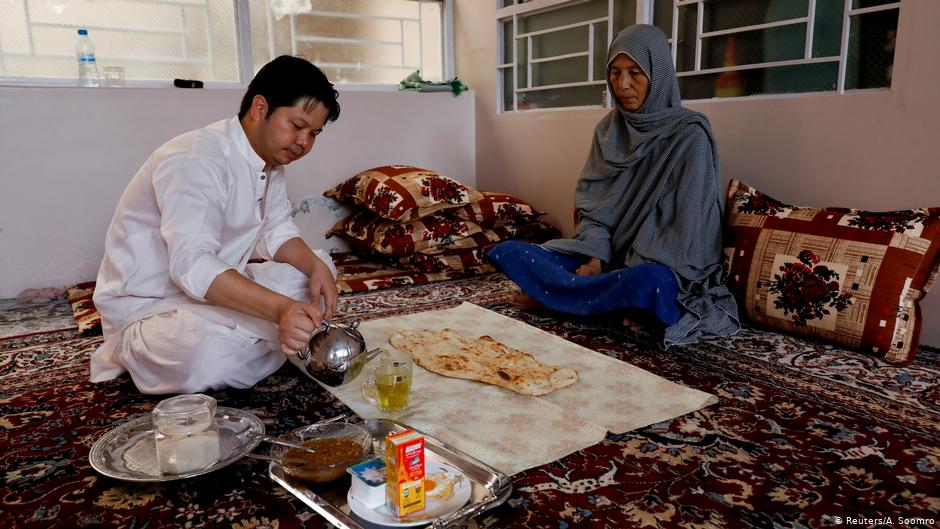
{"type": "Point", "coordinates": [404, 467]}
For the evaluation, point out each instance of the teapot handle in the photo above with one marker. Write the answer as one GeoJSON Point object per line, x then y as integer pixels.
{"type": "Point", "coordinates": [325, 325]}
{"type": "Point", "coordinates": [305, 352]}
{"type": "Point", "coordinates": [351, 326]}
{"type": "Point", "coordinates": [348, 328]}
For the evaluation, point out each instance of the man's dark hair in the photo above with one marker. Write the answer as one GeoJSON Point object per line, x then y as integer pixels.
{"type": "Point", "coordinates": [287, 80]}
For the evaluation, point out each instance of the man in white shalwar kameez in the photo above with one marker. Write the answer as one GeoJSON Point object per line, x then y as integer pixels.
{"type": "Point", "coordinates": [182, 309]}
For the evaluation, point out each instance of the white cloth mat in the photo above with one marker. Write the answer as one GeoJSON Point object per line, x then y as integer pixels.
{"type": "Point", "coordinates": [513, 432]}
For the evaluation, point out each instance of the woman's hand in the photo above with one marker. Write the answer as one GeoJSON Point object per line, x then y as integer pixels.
{"type": "Point", "coordinates": [590, 268]}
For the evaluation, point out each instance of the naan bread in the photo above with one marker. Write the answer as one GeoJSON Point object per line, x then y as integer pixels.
{"type": "Point", "coordinates": [450, 354]}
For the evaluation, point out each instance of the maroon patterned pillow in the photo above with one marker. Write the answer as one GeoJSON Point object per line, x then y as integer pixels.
{"type": "Point", "coordinates": [496, 209]}
{"type": "Point", "coordinates": [467, 260]}
{"type": "Point", "coordinates": [402, 192]}
{"type": "Point", "coordinates": [847, 276]}
{"type": "Point", "coordinates": [467, 254]}
{"type": "Point", "coordinates": [403, 238]}
{"type": "Point", "coordinates": [434, 243]}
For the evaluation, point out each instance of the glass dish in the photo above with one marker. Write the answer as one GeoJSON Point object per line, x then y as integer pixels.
{"type": "Point", "coordinates": [322, 472]}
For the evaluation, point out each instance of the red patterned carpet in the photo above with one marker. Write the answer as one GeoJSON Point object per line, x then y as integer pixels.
{"type": "Point", "coordinates": [804, 436]}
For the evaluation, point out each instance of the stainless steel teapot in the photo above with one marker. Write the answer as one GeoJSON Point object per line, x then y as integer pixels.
{"type": "Point", "coordinates": [336, 353]}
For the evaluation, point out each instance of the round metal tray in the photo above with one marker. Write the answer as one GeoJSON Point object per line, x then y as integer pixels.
{"type": "Point", "coordinates": [128, 451]}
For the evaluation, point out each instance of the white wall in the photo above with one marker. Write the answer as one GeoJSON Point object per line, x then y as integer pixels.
{"type": "Point", "coordinates": [66, 155]}
{"type": "Point", "coordinates": [875, 150]}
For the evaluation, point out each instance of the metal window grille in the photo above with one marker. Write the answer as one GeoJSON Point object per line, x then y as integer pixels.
{"type": "Point", "coordinates": [224, 42]}
{"type": "Point", "coordinates": [360, 41]}
{"type": "Point", "coordinates": [803, 46]}
{"type": "Point", "coordinates": [726, 48]}
{"type": "Point", "coordinates": [534, 72]}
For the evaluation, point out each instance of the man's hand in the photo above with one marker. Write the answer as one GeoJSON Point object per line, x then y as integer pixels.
{"type": "Point", "coordinates": [296, 322]}
{"type": "Point", "coordinates": [590, 268]}
{"type": "Point", "coordinates": [296, 253]}
{"type": "Point", "coordinates": [322, 285]}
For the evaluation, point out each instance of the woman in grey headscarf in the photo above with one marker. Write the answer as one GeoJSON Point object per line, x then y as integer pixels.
{"type": "Point", "coordinates": [649, 205]}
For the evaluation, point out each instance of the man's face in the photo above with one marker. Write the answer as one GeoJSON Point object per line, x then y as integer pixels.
{"type": "Point", "coordinates": [630, 84]}
{"type": "Point", "coordinates": [289, 133]}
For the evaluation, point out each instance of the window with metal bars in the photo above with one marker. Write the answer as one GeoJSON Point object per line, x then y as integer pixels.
{"type": "Point", "coordinates": [358, 41]}
{"type": "Point", "coordinates": [224, 42]}
{"type": "Point", "coordinates": [552, 53]}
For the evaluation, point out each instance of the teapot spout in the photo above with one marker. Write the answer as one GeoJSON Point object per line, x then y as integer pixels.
{"type": "Point", "coordinates": [372, 353]}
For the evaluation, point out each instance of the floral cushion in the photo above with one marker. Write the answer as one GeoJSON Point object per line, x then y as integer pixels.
{"type": "Point", "coordinates": [403, 238]}
{"type": "Point", "coordinates": [467, 254]}
{"type": "Point", "coordinates": [430, 234]}
{"type": "Point", "coordinates": [848, 276]}
{"type": "Point", "coordinates": [360, 274]}
{"type": "Point", "coordinates": [402, 192]}
{"type": "Point", "coordinates": [468, 260]}
{"type": "Point", "coordinates": [496, 209]}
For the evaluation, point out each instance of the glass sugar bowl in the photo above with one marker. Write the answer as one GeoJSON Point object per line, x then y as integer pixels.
{"type": "Point", "coordinates": [186, 434]}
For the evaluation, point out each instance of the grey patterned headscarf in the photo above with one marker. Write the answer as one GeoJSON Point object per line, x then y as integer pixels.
{"type": "Point", "coordinates": [650, 192]}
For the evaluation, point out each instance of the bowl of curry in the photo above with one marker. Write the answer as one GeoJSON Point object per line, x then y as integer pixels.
{"type": "Point", "coordinates": [337, 446]}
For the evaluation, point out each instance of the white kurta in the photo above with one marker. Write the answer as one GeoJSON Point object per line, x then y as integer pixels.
{"type": "Point", "coordinates": [200, 205]}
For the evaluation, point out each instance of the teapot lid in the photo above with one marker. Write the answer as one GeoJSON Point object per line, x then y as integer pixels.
{"type": "Point", "coordinates": [334, 343]}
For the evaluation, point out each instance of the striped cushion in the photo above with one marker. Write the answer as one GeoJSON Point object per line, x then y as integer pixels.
{"type": "Point", "coordinates": [83, 308]}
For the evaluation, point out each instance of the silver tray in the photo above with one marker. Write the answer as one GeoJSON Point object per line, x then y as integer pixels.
{"type": "Point", "coordinates": [490, 487]}
{"type": "Point", "coordinates": [128, 451]}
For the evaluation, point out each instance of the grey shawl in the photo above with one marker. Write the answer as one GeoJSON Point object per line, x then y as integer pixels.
{"type": "Point", "coordinates": [650, 193]}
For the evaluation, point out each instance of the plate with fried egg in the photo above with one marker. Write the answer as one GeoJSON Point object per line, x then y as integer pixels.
{"type": "Point", "coordinates": [446, 489]}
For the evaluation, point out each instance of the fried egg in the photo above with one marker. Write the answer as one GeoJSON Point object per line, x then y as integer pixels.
{"type": "Point", "coordinates": [439, 485]}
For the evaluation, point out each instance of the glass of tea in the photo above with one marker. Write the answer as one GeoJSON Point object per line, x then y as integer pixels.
{"type": "Point", "coordinates": [389, 383]}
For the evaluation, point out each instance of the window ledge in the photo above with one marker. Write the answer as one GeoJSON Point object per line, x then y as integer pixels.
{"type": "Point", "coordinates": [73, 83]}
{"type": "Point", "coordinates": [796, 95]}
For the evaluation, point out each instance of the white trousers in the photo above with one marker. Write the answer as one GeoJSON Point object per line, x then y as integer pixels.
{"type": "Point", "coordinates": [194, 347]}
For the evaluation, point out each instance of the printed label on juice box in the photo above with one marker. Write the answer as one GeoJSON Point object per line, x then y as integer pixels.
{"type": "Point", "coordinates": [404, 466]}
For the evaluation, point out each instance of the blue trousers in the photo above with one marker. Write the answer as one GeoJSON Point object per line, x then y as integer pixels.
{"type": "Point", "coordinates": [549, 278]}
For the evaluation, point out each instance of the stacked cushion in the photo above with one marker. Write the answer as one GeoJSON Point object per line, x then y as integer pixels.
{"type": "Point", "coordinates": [495, 210]}
{"type": "Point", "coordinates": [402, 192]}
{"type": "Point", "coordinates": [421, 220]}
{"type": "Point", "coordinates": [848, 276]}
{"type": "Point", "coordinates": [403, 238]}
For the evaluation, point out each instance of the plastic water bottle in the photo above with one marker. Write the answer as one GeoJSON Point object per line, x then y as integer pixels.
{"type": "Point", "coordinates": [87, 67]}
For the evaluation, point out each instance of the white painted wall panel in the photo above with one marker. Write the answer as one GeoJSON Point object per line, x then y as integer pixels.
{"type": "Point", "coordinates": [66, 155]}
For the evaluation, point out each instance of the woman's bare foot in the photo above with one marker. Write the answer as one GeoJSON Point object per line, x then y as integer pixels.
{"type": "Point", "coordinates": [526, 302]}
{"type": "Point", "coordinates": [632, 325]}
{"type": "Point", "coordinates": [591, 268]}
{"type": "Point", "coordinates": [637, 320]}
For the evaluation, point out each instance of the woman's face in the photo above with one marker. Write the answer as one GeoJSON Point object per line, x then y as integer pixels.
{"type": "Point", "coordinates": [631, 85]}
